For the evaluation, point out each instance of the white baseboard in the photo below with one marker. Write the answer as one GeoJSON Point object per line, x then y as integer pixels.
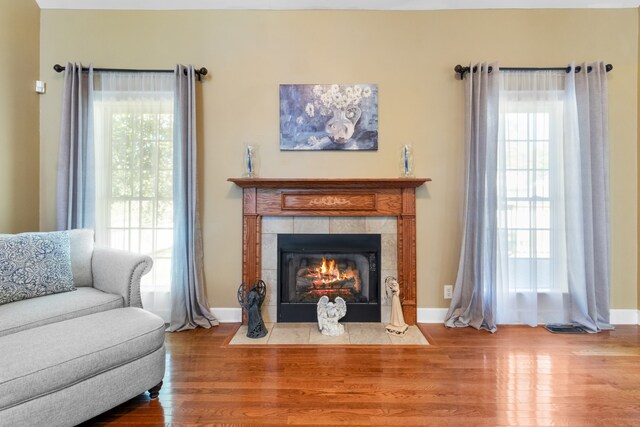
{"type": "Point", "coordinates": [432, 315]}
{"type": "Point", "coordinates": [624, 317]}
{"type": "Point", "coordinates": [227, 314]}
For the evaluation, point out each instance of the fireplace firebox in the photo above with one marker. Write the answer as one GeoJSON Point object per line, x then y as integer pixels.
{"type": "Point", "coordinates": [336, 265]}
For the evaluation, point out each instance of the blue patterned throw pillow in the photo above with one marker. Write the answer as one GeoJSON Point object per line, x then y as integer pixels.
{"type": "Point", "coordinates": [34, 264]}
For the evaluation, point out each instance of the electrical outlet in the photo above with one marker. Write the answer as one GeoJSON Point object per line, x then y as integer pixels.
{"type": "Point", "coordinates": [448, 291]}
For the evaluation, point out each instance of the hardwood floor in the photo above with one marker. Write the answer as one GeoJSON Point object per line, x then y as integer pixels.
{"type": "Point", "coordinates": [518, 376]}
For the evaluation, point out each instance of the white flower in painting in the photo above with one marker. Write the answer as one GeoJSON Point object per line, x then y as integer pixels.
{"type": "Point", "coordinates": [310, 110]}
{"type": "Point", "coordinates": [348, 98]}
{"type": "Point", "coordinates": [299, 120]}
{"type": "Point", "coordinates": [326, 99]}
{"type": "Point", "coordinates": [341, 103]}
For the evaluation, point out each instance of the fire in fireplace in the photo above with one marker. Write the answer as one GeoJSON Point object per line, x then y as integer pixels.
{"type": "Point", "coordinates": [336, 265]}
{"type": "Point", "coordinates": [338, 276]}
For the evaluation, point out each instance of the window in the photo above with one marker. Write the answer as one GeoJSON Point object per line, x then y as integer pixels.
{"type": "Point", "coordinates": [133, 119]}
{"type": "Point", "coordinates": [531, 258]}
{"type": "Point", "coordinates": [528, 130]}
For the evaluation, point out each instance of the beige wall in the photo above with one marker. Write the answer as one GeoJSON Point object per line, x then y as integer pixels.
{"type": "Point", "coordinates": [410, 55]}
{"type": "Point", "coordinates": [19, 138]}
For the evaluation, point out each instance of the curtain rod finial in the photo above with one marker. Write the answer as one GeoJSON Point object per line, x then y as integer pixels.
{"type": "Point", "coordinates": [58, 68]}
{"type": "Point", "coordinates": [460, 70]}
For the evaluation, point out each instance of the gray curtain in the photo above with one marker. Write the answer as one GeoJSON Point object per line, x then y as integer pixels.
{"type": "Point", "coordinates": [474, 301]}
{"type": "Point", "coordinates": [75, 198]}
{"type": "Point", "coordinates": [587, 205]}
{"type": "Point", "coordinates": [189, 308]}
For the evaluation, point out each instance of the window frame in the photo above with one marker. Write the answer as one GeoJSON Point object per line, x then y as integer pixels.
{"type": "Point", "coordinates": [554, 112]}
{"type": "Point", "coordinates": [105, 111]}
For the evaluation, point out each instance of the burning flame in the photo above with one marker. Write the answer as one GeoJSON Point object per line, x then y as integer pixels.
{"type": "Point", "coordinates": [331, 269]}
{"type": "Point", "coordinates": [328, 273]}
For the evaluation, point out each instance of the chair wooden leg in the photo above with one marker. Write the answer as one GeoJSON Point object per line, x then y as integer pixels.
{"type": "Point", "coordinates": [155, 391]}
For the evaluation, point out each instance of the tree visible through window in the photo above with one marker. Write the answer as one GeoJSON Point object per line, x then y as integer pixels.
{"type": "Point", "coordinates": [140, 205]}
{"type": "Point", "coordinates": [134, 132]}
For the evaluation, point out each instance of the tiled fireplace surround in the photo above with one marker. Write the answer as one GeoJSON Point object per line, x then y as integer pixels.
{"type": "Point", "coordinates": [272, 226]}
{"type": "Point", "coordinates": [324, 205]}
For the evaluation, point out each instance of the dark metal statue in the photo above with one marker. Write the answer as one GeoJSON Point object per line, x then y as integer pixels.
{"type": "Point", "coordinates": [252, 302]}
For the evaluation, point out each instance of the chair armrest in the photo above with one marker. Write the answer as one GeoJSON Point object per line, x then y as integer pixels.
{"type": "Point", "coordinates": [119, 272]}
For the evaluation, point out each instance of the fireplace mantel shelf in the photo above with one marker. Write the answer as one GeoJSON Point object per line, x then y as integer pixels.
{"type": "Point", "coordinates": [333, 197]}
{"type": "Point", "coordinates": [334, 183]}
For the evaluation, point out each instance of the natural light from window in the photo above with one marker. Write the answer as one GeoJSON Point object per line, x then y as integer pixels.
{"type": "Point", "coordinates": [137, 212]}
{"type": "Point", "coordinates": [526, 159]}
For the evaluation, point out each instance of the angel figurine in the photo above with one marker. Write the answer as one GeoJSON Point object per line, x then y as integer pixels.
{"type": "Point", "coordinates": [252, 302]}
{"type": "Point", "coordinates": [396, 325]}
{"type": "Point", "coordinates": [328, 315]}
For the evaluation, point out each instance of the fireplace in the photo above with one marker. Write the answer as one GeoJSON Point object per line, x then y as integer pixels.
{"type": "Point", "coordinates": [333, 198]}
{"type": "Point", "coordinates": [336, 265]}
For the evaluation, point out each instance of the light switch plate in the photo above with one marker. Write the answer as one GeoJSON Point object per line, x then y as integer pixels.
{"type": "Point", "coordinates": [41, 87]}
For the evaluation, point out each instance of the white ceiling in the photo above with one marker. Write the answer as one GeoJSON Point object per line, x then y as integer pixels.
{"type": "Point", "coordinates": [334, 4]}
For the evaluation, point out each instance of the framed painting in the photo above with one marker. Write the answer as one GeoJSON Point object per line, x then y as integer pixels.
{"type": "Point", "coordinates": [329, 117]}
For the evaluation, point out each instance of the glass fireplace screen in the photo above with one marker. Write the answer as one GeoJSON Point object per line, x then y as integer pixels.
{"type": "Point", "coordinates": [336, 265]}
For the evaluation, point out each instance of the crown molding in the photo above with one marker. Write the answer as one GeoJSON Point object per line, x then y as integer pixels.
{"type": "Point", "coordinates": [333, 4]}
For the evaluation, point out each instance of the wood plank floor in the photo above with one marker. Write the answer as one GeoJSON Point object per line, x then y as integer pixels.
{"type": "Point", "coordinates": [518, 376]}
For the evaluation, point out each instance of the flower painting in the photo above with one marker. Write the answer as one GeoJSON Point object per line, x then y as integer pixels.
{"type": "Point", "coordinates": [329, 117]}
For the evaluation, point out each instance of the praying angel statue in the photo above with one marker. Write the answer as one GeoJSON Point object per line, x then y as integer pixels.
{"type": "Point", "coordinates": [396, 325]}
{"type": "Point", "coordinates": [328, 315]}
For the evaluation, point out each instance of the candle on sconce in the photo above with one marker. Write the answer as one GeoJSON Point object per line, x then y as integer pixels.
{"type": "Point", "coordinates": [250, 164]}
{"type": "Point", "coordinates": [406, 158]}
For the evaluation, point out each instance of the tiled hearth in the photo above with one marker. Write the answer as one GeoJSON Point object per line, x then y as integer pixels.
{"type": "Point", "coordinates": [308, 334]}
{"type": "Point", "coordinates": [272, 226]}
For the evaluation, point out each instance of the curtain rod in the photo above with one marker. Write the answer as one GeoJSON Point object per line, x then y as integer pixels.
{"type": "Point", "coordinates": [459, 69]}
{"type": "Point", "coordinates": [200, 72]}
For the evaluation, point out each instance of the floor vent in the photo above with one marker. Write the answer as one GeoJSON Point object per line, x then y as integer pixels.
{"type": "Point", "coordinates": [564, 328]}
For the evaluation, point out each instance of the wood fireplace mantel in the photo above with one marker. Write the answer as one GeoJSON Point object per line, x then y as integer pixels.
{"type": "Point", "coordinates": [332, 197]}
{"type": "Point", "coordinates": [313, 183]}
